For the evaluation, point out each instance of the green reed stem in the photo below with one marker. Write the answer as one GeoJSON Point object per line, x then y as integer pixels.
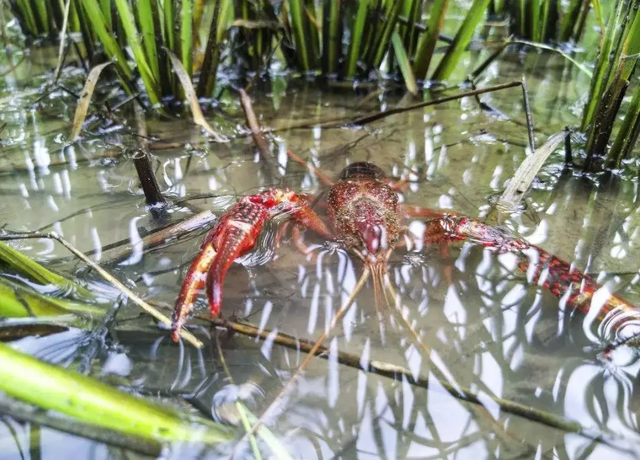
{"type": "Point", "coordinates": [332, 35]}
{"type": "Point", "coordinates": [404, 63]}
{"type": "Point", "coordinates": [105, 7]}
{"type": "Point", "coordinates": [357, 32]}
{"type": "Point", "coordinates": [186, 36]}
{"type": "Point", "coordinates": [111, 47]}
{"type": "Point", "coordinates": [297, 23]}
{"type": "Point", "coordinates": [18, 301]}
{"type": "Point", "coordinates": [387, 31]}
{"type": "Point", "coordinates": [36, 272]}
{"type": "Point", "coordinates": [129, 24]}
{"type": "Point", "coordinates": [461, 40]}
{"type": "Point", "coordinates": [147, 29]}
{"type": "Point", "coordinates": [211, 56]}
{"type": "Point", "coordinates": [428, 40]}
{"type": "Point", "coordinates": [627, 136]}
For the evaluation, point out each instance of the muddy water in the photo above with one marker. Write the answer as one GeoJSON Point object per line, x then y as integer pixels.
{"type": "Point", "coordinates": [483, 329]}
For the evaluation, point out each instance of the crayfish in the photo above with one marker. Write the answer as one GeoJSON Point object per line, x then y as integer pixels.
{"type": "Point", "coordinates": [366, 218]}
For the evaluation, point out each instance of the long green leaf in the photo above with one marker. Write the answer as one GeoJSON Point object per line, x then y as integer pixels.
{"type": "Point", "coordinates": [427, 42]}
{"type": "Point", "coordinates": [17, 301]}
{"type": "Point", "coordinates": [209, 69]}
{"type": "Point", "coordinates": [105, 6]}
{"type": "Point", "coordinates": [129, 24]}
{"type": "Point", "coordinates": [357, 32]}
{"type": "Point", "coordinates": [186, 36]}
{"type": "Point", "coordinates": [628, 133]}
{"type": "Point", "coordinates": [332, 35]}
{"type": "Point", "coordinates": [405, 65]}
{"type": "Point", "coordinates": [93, 402]}
{"type": "Point", "coordinates": [389, 29]}
{"type": "Point", "coordinates": [461, 40]}
{"type": "Point", "coordinates": [147, 28]}
{"type": "Point", "coordinates": [298, 22]}
{"type": "Point", "coordinates": [111, 47]}
{"type": "Point", "coordinates": [37, 272]}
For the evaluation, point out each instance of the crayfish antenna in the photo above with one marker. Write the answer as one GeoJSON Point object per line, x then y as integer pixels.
{"type": "Point", "coordinates": [378, 277]}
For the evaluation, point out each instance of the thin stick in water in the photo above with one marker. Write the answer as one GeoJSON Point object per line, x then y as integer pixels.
{"type": "Point", "coordinates": [527, 111]}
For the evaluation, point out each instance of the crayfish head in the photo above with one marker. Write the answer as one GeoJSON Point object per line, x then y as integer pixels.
{"type": "Point", "coordinates": [376, 232]}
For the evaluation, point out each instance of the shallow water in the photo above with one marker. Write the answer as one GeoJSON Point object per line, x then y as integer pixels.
{"type": "Point", "coordinates": [489, 330]}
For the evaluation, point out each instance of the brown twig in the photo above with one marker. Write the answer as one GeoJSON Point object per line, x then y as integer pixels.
{"type": "Point", "coordinates": [258, 136]}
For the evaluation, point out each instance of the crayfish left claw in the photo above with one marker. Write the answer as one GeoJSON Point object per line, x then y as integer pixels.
{"type": "Point", "coordinates": [233, 236]}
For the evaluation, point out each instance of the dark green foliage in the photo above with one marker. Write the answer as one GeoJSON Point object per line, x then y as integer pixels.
{"type": "Point", "coordinates": [617, 62]}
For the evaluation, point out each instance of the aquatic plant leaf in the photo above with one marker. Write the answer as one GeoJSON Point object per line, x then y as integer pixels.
{"type": "Point", "coordinates": [111, 47]}
{"type": "Point", "coordinates": [38, 273]}
{"type": "Point", "coordinates": [93, 402]}
{"type": "Point", "coordinates": [428, 40]}
{"type": "Point", "coordinates": [129, 25]}
{"type": "Point", "coordinates": [190, 94]}
{"type": "Point", "coordinates": [405, 64]}
{"type": "Point", "coordinates": [527, 171]}
{"type": "Point", "coordinates": [461, 40]}
{"type": "Point", "coordinates": [186, 37]}
{"type": "Point", "coordinates": [357, 33]}
{"type": "Point", "coordinates": [85, 99]}
{"type": "Point", "coordinates": [584, 69]}
{"type": "Point", "coordinates": [17, 301]}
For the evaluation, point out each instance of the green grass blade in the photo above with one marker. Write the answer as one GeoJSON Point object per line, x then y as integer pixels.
{"type": "Point", "coordinates": [533, 20]}
{"type": "Point", "coordinates": [226, 18]}
{"type": "Point", "coordinates": [569, 20]}
{"type": "Point", "coordinates": [95, 403]}
{"type": "Point", "coordinates": [404, 63]}
{"type": "Point", "coordinates": [36, 272]}
{"type": "Point", "coordinates": [628, 134]}
{"type": "Point", "coordinates": [129, 24]}
{"type": "Point", "coordinates": [24, 10]}
{"type": "Point", "coordinates": [169, 40]}
{"type": "Point", "coordinates": [17, 301]}
{"type": "Point", "coordinates": [42, 15]}
{"type": "Point", "coordinates": [602, 65]}
{"type": "Point", "coordinates": [169, 8]}
{"type": "Point", "coordinates": [211, 56]}
{"type": "Point", "coordinates": [410, 38]}
{"type": "Point", "coordinates": [313, 32]}
{"type": "Point", "coordinates": [186, 36]}
{"type": "Point", "coordinates": [357, 32]}
{"type": "Point", "coordinates": [111, 47]}
{"type": "Point", "coordinates": [461, 40]}
{"type": "Point", "coordinates": [389, 28]}
{"type": "Point", "coordinates": [147, 28]}
{"type": "Point", "coordinates": [298, 23]}
{"type": "Point", "coordinates": [332, 36]}
{"type": "Point", "coordinates": [428, 40]}
{"type": "Point", "coordinates": [105, 6]}
{"type": "Point", "coordinates": [598, 12]}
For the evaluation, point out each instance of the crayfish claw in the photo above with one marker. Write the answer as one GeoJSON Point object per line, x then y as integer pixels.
{"type": "Point", "coordinates": [233, 236]}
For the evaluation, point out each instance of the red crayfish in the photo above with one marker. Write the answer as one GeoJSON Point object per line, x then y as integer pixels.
{"type": "Point", "coordinates": [367, 219]}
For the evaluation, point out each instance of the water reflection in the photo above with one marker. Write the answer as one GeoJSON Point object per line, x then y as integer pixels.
{"type": "Point", "coordinates": [479, 323]}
